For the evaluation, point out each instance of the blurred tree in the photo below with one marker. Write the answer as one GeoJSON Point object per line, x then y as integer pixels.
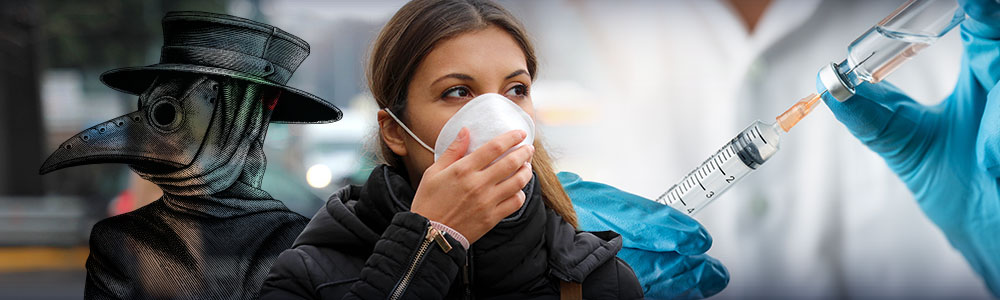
{"type": "Point", "coordinates": [104, 34]}
{"type": "Point", "coordinates": [89, 36]}
{"type": "Point", "coordinates": [20, 108]}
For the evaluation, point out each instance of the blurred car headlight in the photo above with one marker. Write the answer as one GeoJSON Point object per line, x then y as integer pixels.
{"type": "Point", "coordinates": [319, 176]}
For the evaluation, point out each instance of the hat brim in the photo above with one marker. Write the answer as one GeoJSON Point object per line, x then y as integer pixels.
{"type": "Point", "coordinates": [294, 106]}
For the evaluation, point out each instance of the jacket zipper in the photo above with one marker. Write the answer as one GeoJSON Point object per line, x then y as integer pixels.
{"type": "Point", "coordinates": [467, 274]}
{"type": "Point", "coordinates": [433, 235]}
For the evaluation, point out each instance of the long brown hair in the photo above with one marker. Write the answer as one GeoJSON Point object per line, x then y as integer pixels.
{"type": "Point", "coordinates": [412, 33]}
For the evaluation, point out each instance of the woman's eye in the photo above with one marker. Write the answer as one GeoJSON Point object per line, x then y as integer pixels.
{"type": "Point", "coordinates": [519, 90]}
{"type": "Point", "coordinates": [456, 92]}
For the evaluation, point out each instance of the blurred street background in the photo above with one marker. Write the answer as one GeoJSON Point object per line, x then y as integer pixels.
{"type": "Point", "coordinates": [52, 53]}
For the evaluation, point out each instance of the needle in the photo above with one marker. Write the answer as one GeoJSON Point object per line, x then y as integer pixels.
{"type": "Point", "coordinates": [799, 110]}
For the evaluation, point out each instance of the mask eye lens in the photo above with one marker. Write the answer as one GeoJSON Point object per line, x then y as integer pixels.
{"type": "Point", "coordinates": [165, 114]}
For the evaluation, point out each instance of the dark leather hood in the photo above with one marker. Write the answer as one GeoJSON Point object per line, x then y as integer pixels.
{"type": "Point", "coordinates": [532, 243]}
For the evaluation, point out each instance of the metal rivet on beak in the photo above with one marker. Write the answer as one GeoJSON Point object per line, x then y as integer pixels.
{"type": "Point", "coordinates": [101, 130]}
{"type": "Point", "coordinates": [120, 123]}
{"type": "Point", "coordinates": [136, 118]}
{"type": "Point", "coordinates": [85, 138]}
{"type": "Point", "coordinates": [69, 146]}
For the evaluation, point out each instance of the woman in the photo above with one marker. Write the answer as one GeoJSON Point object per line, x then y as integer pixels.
{"type": "Point", "coordinates": [492, 223]}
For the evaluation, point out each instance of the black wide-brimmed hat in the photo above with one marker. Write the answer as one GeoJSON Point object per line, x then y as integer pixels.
{"type": "Point", "coordinates": [216, 44]}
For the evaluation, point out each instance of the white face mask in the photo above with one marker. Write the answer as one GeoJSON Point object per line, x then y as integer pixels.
{"type": "Point", "coordinates": [486, 117]}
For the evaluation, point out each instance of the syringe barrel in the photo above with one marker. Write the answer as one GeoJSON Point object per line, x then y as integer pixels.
{"type": "Point", "coordinates": [886, 46]}
{"type": "Point", "coordinates": [738, 158]}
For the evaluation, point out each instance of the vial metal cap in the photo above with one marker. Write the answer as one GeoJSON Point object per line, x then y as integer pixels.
{"type": "Point", "coordinates": [835, 84]}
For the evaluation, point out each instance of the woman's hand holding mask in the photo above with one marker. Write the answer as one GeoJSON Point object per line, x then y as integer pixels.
{"type": "Point", "coordinates": [469, 194]}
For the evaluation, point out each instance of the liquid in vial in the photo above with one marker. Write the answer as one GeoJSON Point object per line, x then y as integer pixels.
{"type": "Point", "coordinates": [880, 51]}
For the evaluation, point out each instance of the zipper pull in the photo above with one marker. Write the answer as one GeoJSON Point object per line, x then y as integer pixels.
{"type": "Point", "coordinates": [468, 274]}
{"type": "Point", "coordinates": [436, 236]}
{"type": "Point", "coordinates": [465, 275]}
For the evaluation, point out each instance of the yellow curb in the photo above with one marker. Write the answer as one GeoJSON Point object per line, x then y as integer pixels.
{"type": "Point", "coordinates": [19, 259]}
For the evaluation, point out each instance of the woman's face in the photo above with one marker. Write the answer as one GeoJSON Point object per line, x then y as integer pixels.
{"type": "Point", "coordinates": [455, 71]}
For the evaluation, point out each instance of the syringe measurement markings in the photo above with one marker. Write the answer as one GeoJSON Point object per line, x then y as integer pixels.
{"type": "Point", "coordinates": [702, 173]}
{"type": "Point", "coordinates": [717, 165]}
{"type": "Point", "coordinates": [678, 197]}
{"type": "Point", "coordinates": [671, 196]}
{"type": "Point", "coordinates": [757, 129]}
{"type": "Point", "coordinates": [729, 152]}
{"type": "Point", "coordinates": [697, 176]}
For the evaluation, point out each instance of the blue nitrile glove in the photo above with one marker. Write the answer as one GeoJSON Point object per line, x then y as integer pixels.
{"type": "Point", "coordinates": [664, 247]}
{"type": "Point", "coordinates": [947, 154]}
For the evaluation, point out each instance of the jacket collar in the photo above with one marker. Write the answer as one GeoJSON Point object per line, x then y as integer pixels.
{"type": "Point", "coordinates": [238, 200]}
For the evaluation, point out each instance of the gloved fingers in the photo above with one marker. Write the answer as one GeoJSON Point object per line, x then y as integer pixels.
{"type": "Point", "coordinates": [884, 118]}
{"type": "Point", "coordinates": [656, 227]}
{"type": "Point", "coordinates": [711, 277]}
{"type": "Point", "coordinates": [690, 242]}
{"type": "Point", "coordinates": [660, 228]}
{"type": "Point", "coordinates": [642, 223]}
{"type": "Point", "coordinates": [981, 40]}
{"type": "Point", "coordinates": [984, 16]}
{"type": "Point", "coordinates": [669, 275]}
{"type": "Point", "coordinates": [988, 138]}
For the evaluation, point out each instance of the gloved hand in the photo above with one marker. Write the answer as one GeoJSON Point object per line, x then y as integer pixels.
{"type": "Point", "coordinates": [947, 154]}
{"type": "Point", "coordinates": [664, 247]}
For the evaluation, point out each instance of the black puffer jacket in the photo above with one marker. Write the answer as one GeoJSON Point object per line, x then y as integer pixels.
{"type": "Point", "coordinates": [366, 244]}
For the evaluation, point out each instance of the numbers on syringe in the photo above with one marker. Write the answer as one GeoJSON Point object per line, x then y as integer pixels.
{"type": "Point", "coordinates": [695, 178]}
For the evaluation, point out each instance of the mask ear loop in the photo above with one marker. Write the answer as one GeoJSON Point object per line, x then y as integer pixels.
{"type": "Point", "coordinates": [408, 130]}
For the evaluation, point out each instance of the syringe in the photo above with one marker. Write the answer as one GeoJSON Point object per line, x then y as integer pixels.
{"type": "Point", "coordinates": [871, 57]}
{"type": "Point", "coordinates": [738, 158]}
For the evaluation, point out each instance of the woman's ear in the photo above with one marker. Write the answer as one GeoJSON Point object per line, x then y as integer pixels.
{"type": "Point", "coordinates": [391, 133]}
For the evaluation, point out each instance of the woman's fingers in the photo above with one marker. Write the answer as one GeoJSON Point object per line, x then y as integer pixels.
{"type": "Point", "coordinates": [503, 168]}
{"type": "Point", "coordinates": [456, 150]}
{"type": "Point", "coordinates": [508, 206]}
{"type": "Point", "coordinates": [487, 153]}
{"type": "Point", "coordinates": [466, 195]}
{"type": "Point", "coordinates": [515, 183]}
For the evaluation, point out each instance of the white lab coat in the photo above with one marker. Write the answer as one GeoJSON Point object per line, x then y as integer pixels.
{"type": "Point", "coordinates": [636, 94]}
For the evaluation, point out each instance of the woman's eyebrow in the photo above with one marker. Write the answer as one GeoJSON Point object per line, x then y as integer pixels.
{"type": "Point", "coordinates": [518, 72]}
{"type": "Point", "coordinates": [459, 76]}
